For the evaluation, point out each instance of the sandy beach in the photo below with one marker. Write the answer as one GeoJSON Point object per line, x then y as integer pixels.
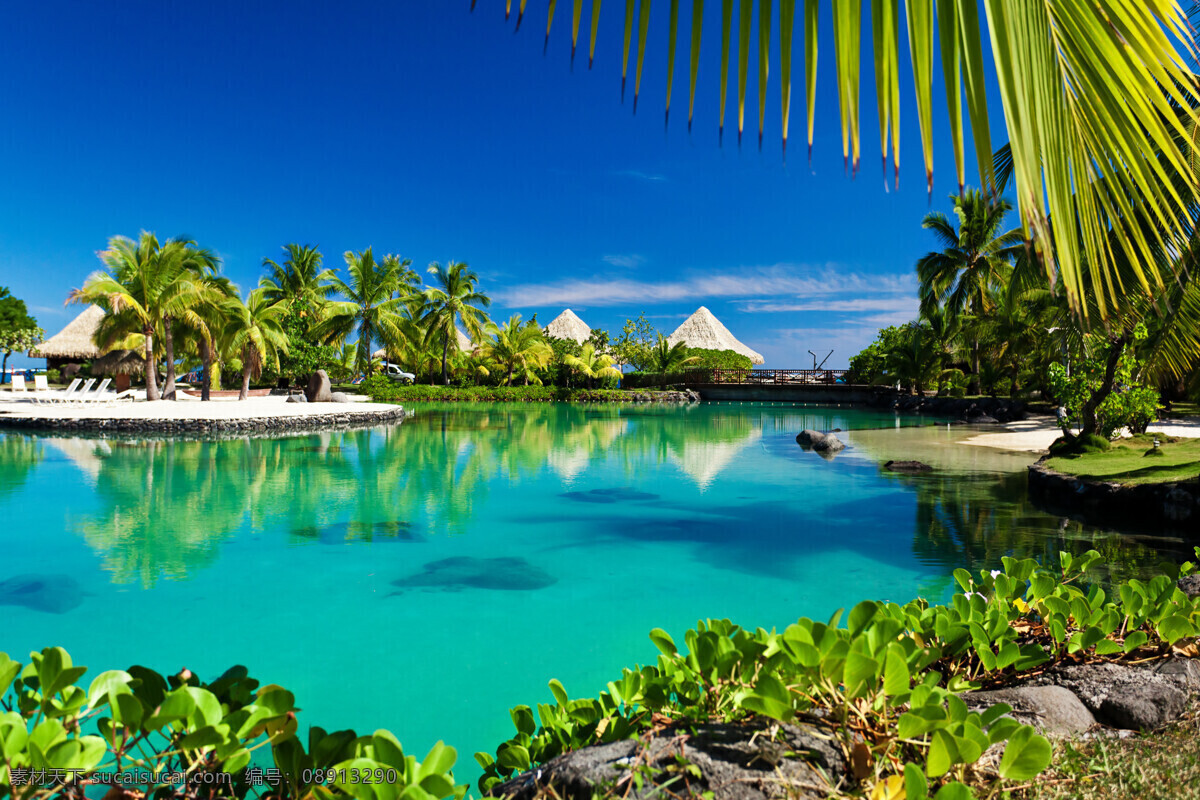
{"type": "Point", "coordinates": [249, 409]}
{"type": "Point", "coordinates": [1036, 434]}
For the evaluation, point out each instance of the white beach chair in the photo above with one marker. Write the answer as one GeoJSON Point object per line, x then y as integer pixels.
{"type": "Point", "coordinates": [18, 385]}
{"type": "Point", "coordinates": [79, 394]}
{"type": "Point", "coordinates": [98, 395]}
{"type": "Point", "coordinates": [53, 396]}
{"type": "Point", "coordinates": [40, 384]}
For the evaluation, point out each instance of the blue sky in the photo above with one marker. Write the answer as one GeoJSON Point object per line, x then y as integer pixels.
{"type": "Point", "coordinates": [421, 129]}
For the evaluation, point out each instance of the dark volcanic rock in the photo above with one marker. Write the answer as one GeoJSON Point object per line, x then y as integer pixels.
{"type": "Point", "coordinates": [1128, 697]}
{"type": "Point", "coordinates": [829, 444]}
{"type": "Point", "coordinates": [1050, 709]}
{"type": "Point", "coordinates": [318, 390]}
{"type": "Point", "coordinates": [1189, 585]}
{"type": "Point", "coordinates": [807, 438]}
{"type": "Point", "coordinates": [736, 762]}
{"type": "Point", "coordinates": [907, 466]}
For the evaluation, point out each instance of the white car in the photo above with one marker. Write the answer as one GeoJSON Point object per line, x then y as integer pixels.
{"type": "Point", "coordinates": [395, 373]}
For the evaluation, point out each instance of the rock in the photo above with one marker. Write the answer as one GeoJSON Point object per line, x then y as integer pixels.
{"type": "Point", "coordinates": [829, 444]}
{"type": "Point", "coordinates": [1051, 709]}
{"type": "Point", "coordinates": [318, 390]}
{"type": "Point", "coordinates": [807, 438]}
{"type": "Point", "coordinates": [736, 762]}
{"type": "Point", "coordinates": [1127, 697]}
{"type": "Point", "coordinates": [1189, 585]}
{"type": "Point", "coordinates": [340, 397]}
{"type": "Point", "coordinates": [907, 466]}
{"type": "Point", "coordinates": [1179, 504]}
{"type": "Point", "coordinates": [984, 419]}
{"type": "Point", "coordinates": [296, 398]}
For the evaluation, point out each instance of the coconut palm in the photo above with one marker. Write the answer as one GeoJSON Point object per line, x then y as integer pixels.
{"type": "Point", "coordinates": [517, 347]}
{"type": "Point", "coordinates": [1088, 89]}
{"type": "Point", "coordinates": [299, 277]}
{"type": "Point", "coordinates": [255, 334]}
{"type": "Point", "coordinates": [665, 357]}
{"type": "Point", "coordinates": [374, 295]}
{"type": "Point", "coordinates": [206, 321]}
{"type": "Point", "coordinates": [919, 362]}
{"type": "Point", "coordinates": [592, 365]}
{"type": "Point", "coordinates": [976, 260]}
{"type": "Point", "coordinates": [453, 298]}
{"type": "Point", "coordinates": [145, 286]}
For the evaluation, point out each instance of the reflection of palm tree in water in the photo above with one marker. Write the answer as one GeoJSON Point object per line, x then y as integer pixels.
{"type": "Point", "coordinates": [19, 456]}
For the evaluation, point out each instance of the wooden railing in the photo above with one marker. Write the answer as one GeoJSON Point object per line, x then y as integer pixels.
{"type": "Point", "coordinates": [744, 377]}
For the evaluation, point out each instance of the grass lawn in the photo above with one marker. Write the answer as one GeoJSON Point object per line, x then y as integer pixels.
{"type": "Point", "coordinates": [1133, 460]}
{"type": "Point", "coordinates": [1164, 765]}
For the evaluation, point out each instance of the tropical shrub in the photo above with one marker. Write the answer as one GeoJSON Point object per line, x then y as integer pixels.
{"type": "Point", "coordinates": [382, 390]}
{"type": "Point", "coordinates": [176, 734]}
{"type": "Point", "coordinates": [889, 679]}
{"type": "Point", "coordinates": [304, 354]}
{"type": "Point", "coordinates": [718, 359]}
{"type": "Point", "coordinates": [1107, 384]}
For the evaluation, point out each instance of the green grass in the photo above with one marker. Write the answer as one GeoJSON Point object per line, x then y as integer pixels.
{"type": "Point", "coordinates": [1134, 460]}
{"type": "Point", "coordinates": [1164, 765]}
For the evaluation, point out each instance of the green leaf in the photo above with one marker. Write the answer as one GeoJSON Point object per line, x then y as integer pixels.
{"type": "Point", "coordinates": [513, 756]}
{"type": "Point", "coordinates": [1174, 628]}
{"type": "Point", "coordinates": [954, 791]}
{"type": "Point", "coordinates": [9, 669]}
{"type": "Point", "coordinates": [915, 785]}
{"type": "Point", "coordinates": [560, 693]}
{"type": "Point", "coordinates": [663, 641]}
{"type": "Point", "coordinates": [1135, 640]}
{"type": "Point", "coordinates": [896, 676]}
{"type": "Point", "coordinates": [860, 674]}
{"type": "Point", "coordinates": [943, 754]}
{"type": "Point", "coordinates": [1025, 755]}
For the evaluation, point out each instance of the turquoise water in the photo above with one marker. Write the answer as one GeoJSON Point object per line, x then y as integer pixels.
{"type": "Point", "coordinates": [426, 577]}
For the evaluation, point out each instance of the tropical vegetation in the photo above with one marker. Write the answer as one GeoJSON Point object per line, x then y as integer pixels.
{"type": "Point", "coordinates": [882, 681]}
{"type": "Point", "coordinates": [18, 330]}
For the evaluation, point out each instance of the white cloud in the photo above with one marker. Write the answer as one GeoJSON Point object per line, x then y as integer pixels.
{"type": "Point", "coordinates": [629, 261]}
{"type": "Point", "coordinates": [651, 177]}
{"type": "Point", "coordinates": [898, 303]}
{"type": "Point", "coordinates": [786, 280]}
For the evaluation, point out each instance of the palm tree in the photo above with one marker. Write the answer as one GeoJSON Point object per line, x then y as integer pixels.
{"type": "Point", "coordinates": [299, 277]}
{"type": "Point", "coordinates": [1089, 92]}
{"type": "Point", "coordinates": [454, 297]}
{"type": "Point", "coordinates": [255, 334]}
{"type": "Point", "coordinates": [976, 260]}
{"type": "Point", "coordinates": [146, 286]}
{"type": "Point", "coordinates": [919, 361]}
{"type": "Point", "coordinates": [669, 358]}
{"type": "Point", "coordinates": [592, 365]}
{"type": "Point", "coordinates": [206, 322]}
{"type": "Point", "coordinates": [518, 346]}
{"type": "Point", "coordinates": [375, 294]}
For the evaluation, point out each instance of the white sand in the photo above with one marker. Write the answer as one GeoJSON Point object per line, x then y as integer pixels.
{"type": "Point", "coordinates": [1036, 434]}
{"type": "Point", "coordinates": [250, 408]}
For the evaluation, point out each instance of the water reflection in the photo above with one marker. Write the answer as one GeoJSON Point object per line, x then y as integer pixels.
{"type": "Point", "coordinates": [163, 510]}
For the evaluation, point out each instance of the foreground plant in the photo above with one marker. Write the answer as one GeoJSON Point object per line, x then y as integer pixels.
{"type": "Point", "coordinates": [886, 686]}
{"type": "Point", "coordinates": [179, 737]}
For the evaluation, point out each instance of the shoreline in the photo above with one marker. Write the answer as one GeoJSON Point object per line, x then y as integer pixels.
{"type": "Point", "coordinates": [255, 415]}
{"type": "Point", "coordinates": [1035, 435]}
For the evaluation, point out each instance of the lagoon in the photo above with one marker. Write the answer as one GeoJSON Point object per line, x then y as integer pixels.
{"type": "Point", "coordinates": [426, 577]}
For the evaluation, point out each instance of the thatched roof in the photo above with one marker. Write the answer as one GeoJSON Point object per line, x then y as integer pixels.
{"type": "Point", "coordinates": [568, 325]}
{"type": "Point", "coordinates": [464, 343]}
{"type": "Point", "coordinates": [74, 341]}
{"type": "Point", "coordinates": [119, 362]}
{"type": "Point", "coordinates": [705, 331]}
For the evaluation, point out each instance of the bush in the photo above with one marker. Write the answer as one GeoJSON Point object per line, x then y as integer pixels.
{"type": "Point", "coordinates": [1078, 445]}
{"type": "Point", "coordinates": [890, 677]}
{"type": "Point", "coordinates": [718, 359]}
{"type": "Point", "coordinates": [177, 725]}
{"type": "Point", "coordinates": [53, 376]}
{"type": "Point", "coordinates": [382, 390]}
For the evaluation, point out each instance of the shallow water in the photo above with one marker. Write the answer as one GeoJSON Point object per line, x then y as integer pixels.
{"type": "Point", "coordinates": [426, 577]}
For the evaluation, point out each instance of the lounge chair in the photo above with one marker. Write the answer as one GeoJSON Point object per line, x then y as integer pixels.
{"type": "Point", "coordinates": [79, 394]}
{"type": "Point", "coordinates": [18, 385]}
{"type": "Point", "coordinates": [58, 397]}
{"type": "Point", "coordinates": [40, 383]}
{"type": "Point", "coordinates": [96, 396]}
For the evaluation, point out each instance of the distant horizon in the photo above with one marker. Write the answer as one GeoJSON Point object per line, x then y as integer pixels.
{"type": "Point", "coordinates": [437, 134]}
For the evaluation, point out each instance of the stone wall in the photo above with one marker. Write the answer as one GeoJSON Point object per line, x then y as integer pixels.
{"type": "Point", "coordinates": [1174, 506]}
{"type": "Point", "coordinates": [192, 427]}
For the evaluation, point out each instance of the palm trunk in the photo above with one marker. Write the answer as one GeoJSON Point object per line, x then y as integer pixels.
{"type": "Point", "coordinates": [1014, 386]}
{"type": "Point", "coordinates": [206, 357]}
{"type": "Point", "coordinates": [151, 367]}
{"type": "Point", "coordinates": [445, 350]}
{"type": "Point", "coordinates": [508, 380]}
{"type": "Point", "coordinates": [169, 352]}
{"type": "Point", "coordinates": [245, 392]}
{"type": "Point", "coordinates": [4, 370]}
{"type": "Point", "coordinates": [974, 387]}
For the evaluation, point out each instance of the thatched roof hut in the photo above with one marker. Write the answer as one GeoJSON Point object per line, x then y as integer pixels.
{"type": "Point", "coordinates": [568, 325]}
{"type": "Point", "coordinates": [119, 362]}
{"type": "Point", "coordinates": [703, 330]}
{"type": "Point", "coordinates": [76, 342]}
